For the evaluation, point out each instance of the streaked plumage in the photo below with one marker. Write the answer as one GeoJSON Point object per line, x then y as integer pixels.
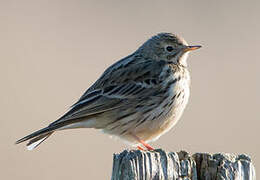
{"type": "Point", "coordinates": [138, 98]}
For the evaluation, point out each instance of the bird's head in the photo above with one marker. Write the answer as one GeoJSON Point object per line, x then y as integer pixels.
{"type": "Point", "coordinates": [168, 47]}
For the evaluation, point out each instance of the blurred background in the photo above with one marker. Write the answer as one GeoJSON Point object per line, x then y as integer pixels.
{"type": "Point", "coordinates": [52, 51]}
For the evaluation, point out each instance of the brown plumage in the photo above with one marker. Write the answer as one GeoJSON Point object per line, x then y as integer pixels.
{"type": "Point", "coordinates": [137, 99]}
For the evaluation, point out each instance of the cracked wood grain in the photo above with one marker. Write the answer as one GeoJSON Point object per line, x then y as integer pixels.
{"type": "Point", "coordinates": [162, 165]}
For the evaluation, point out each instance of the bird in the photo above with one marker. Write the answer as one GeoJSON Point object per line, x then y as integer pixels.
{"type": "Point", "coordinates": [137, 99]}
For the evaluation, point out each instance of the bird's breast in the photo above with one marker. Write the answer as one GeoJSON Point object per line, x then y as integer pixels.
{"type": "Point", "coordinates": [174, 100]}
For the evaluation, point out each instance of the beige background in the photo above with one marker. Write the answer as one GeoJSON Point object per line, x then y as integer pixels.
{"type": "Point", "coordinates": [51, 51]}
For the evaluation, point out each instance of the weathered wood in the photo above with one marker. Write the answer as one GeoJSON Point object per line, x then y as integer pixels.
{"type": "Point", "coordinates": [224, 166]}
{"type": "Point", "coordinates": [158, 164]}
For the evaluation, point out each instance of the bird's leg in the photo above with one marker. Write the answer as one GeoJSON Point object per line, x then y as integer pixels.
{"type": "Point", "coordinates": [140, 148]}
{"type": "Point", "coordinates": [150, 148]}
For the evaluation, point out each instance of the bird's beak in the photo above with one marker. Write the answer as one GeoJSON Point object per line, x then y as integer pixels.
{"type": "Point", "coordinates": [191, 48]}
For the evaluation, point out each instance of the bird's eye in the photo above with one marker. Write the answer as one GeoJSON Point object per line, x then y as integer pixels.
{"type": "Point", "coordinates": [169, 48]}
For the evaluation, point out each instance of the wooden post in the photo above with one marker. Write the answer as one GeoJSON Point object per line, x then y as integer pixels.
{"type": "Point", "coordinates": [162, 165]}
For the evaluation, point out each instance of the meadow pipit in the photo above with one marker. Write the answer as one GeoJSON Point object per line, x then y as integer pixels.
{"type": "Point", "coordinates": [137, 99]}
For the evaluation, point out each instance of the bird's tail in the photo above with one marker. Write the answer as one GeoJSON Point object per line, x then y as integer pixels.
{"type": "Point", "coordinates": [37, 137]}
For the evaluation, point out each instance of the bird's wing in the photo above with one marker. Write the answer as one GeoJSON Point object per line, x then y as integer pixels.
{"type": "Point", "coordinates": [133, 68]}
{"type": "Point", "coordinates": [107, 99]}
{"type": "Point", "coordinates": [118, 85]}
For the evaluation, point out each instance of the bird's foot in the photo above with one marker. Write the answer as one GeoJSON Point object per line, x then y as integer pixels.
{"type": "Point", "coordinates": [140, 148]}
{"type": "Point", "coordinates": [148, 147]}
